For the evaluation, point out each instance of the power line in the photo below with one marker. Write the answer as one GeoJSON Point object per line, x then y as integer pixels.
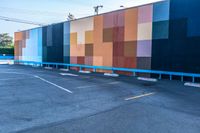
{"type": "Point", "coordinates": [20, 21]}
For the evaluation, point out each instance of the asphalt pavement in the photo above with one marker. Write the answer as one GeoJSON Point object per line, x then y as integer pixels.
{"type": "Point", "coordinates": [36, 100]}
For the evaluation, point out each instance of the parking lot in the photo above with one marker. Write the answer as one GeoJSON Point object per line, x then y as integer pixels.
{"type": "Point", "coordinates": [36, 100]}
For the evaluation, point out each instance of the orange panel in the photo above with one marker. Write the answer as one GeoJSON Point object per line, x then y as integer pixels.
{"type": "Point", "coordinates": [77, 50]}
{"type": "Point", "coordinates": [73, 38]}
{"type": "Point", "coordinates": [131, 22]}
{"type": "Point", "coordinates": [18, 36]}
{"type": "Point", "coordinates": [98, 30]}
{"type": "Point", "coordinates": [89, 37]}
{"type": "Point", "coordinates": [97, 60]}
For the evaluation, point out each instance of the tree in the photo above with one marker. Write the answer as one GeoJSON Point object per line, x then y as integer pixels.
{"type": "Point", "coordinates": [5, 40]}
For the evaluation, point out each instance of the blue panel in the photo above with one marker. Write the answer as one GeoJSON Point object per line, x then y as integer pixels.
{"type": "Point", "coordinates": [66, 42]}
{"type": "Point", "coordinates": [161, 11]}
{"type": "Point", "coordinates": [67, 33]}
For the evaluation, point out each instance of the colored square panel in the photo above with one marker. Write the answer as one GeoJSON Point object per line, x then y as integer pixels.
{"type": "Point", "coordinates": [97, 60]}
{"type": "Point", "coordinates": [118, 61]}
{"type": "Point", "coordinates": [73, 60]}
{"type": "Point", "coordinates": [89, 60]}
{"type": "Point", "coordinates": [89, 37]}
{"type": "Point", "coordinates": [145, 31]}
{"type": "Point", "coordinates": [161, 30]}
{"type": "Point", "coordinates": [118, 34]}
{"type": "Point", "coordinates": [119, 18]}
{"type": "Point", "coordinates": [67, 33]}
{"type": "Point", "coordinates": [144, 48]}
{"type": "Point", "coordinates": [66, 50]}
{"type": "Point", "coordinates": [18, 36]}
{"type": "Point", "coordinates": [108, 35]}
{"type": "Point", "coordinates": [67, 59]}
{"type": "Point", "coordinates": [77, 50]}
{"type": "Point", "coordinates": [118, 49]}
{"type": "Point", "coordinates": [130, 62]}
{"type": "Point", "coordinates": [88, 49]}
{"type": "Point", "coordinates": [73, 39]}
{"type": "Point", "coordinates": [98, 30]}
{"type": "Point", "coordinates": [81, 60]}
{"type": "Point", "coordinates": [145, 14]}
{"type": "Point", "coordinates": [144, 63]}
{"type": "Point", "coordinates": [131, 24]}
{"type": "Point", "coordinates": [161, 11]}
{"type": "Point", "coordinates": [130, 49]}
{"type": "Point", "coordinates": [108, 20]}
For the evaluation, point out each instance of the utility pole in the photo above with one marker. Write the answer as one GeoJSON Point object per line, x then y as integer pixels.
{"type": "Point", "coordinates": [96, 9]}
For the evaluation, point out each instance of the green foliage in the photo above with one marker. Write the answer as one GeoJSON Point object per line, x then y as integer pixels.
{"type": "Point", "coordinates": [7, 51]}
{"type": "Point", "coordinates": [6, 40]}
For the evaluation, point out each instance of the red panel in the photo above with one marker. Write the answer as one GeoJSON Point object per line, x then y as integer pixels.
{"type": "Point", "coordinates": [118, 49]}
{"type": "Point", "coordinates": [118, 34]}
{"type": "Point", "coordinates": [81, 60]}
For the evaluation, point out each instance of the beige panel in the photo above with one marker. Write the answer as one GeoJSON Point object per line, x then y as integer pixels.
{"type": "Point", "coordinates": [145, 31]}
{"type": "Point", "coordinates": [80, 26]}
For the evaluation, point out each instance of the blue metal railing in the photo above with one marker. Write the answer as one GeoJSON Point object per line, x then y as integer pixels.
{"type": "Point", "coordinates": [6, 57]}
{"type": "Point", "coordinates": [113, 69]}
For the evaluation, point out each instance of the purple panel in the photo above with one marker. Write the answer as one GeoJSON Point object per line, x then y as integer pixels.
{"type": "Point", "coordinates": [144, 48]}
{"type": "Point", "coordinates": [119, 19]}
{"type": "Point", "coordinates": [145, 14]}
{"type": "Point", "coordinates": [89, 60]}
{"type": "Point", "coordinates": [108, 20]}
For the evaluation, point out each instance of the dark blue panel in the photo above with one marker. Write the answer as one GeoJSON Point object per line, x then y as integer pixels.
{"type": "Point", "coordinates": [161, 30]}
{"type": "Point", "coordinates": [187, 9]}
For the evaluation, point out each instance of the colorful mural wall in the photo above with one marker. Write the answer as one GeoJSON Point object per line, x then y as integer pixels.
{"type": "Point", "coordinates": [28, 45]}
{"type": "Point", "coordinates": [159, 36]}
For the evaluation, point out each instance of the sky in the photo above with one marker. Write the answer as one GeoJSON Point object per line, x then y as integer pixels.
{"type": "Point", "coordinates": [53, 11]}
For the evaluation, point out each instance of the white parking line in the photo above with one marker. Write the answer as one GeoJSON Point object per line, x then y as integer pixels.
{"type": "Point", "coordinates": [90, 86]}
{"type": "Point", "coordinates": [140, 96]}
{"type": "Point", "coordinates": [68, 74]}
{"type": "Point", "coordinates": [192, 85]}
{"type": "Point", "coordinates": [64, 89]}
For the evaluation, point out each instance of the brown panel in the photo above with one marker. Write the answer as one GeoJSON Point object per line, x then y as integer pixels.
{"type": "Point", "coordinates": [98, 30]}
{"type": "Point", "coordinates": [131, 22]}
{"type": "Point", "coordinates": [89, 37]}
{"type": "Point", "coordinates": [108, 35]}
{"type": "Point", "coordinates": [130, 49]}
{"type": "Point", "coordinates": [88, 49]}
